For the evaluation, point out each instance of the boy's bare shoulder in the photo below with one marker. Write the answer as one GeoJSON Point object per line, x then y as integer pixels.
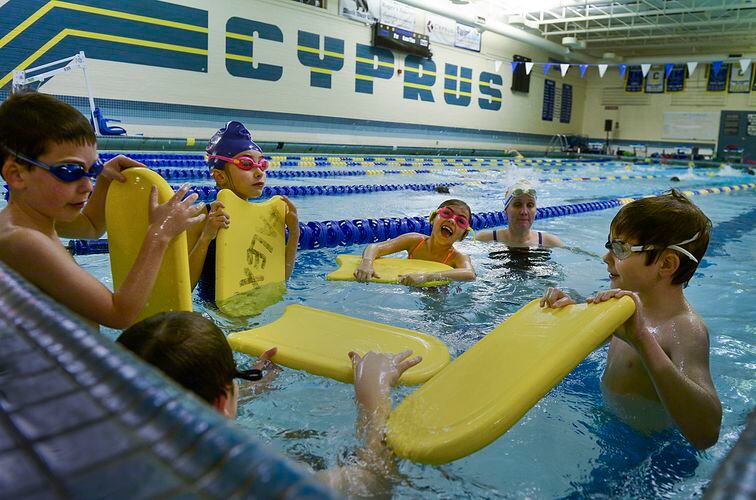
{"type": "Point", "coordinates": [686, 329]}
{"type": "Point", "coordinates": [17, 242]}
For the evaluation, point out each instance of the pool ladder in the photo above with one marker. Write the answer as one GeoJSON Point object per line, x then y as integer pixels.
{"type": "Point", "coordinates": [558, 142]}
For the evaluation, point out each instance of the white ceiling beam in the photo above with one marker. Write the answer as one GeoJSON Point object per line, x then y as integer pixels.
{"type": "Point", "coordinates": [652, 26]}
{"type": "Point", "coordinates": [725, 44]}
{"type": "Point", "coordinates": [667, 12]}
{"type": "Point", "coordinates": [686, 35]}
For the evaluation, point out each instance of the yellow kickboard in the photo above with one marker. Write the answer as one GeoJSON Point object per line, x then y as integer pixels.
{"type": "Point", "coordinates": [387, 268]}
{"type": "Point", "coordinates": [250, 272]}
{"type": "Point", "coordinates": [486, 390]}
{"type": "Point", "coordinates": [319, 342]}
{"type": "Point", "coordinates": [127, 210]}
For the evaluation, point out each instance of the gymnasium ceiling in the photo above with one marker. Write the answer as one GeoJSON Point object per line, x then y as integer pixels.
{"type": "Point", "coordinates": [631, 28]}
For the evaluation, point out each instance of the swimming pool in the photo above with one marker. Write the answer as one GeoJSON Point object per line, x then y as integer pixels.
{"type": "Point", "coordinates": [568, 444]}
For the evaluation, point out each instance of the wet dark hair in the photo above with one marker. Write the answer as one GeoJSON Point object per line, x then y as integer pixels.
{"type": "Point", "coordinates": [30, 122]}
{"type": "Point", "coordinates": [188, 348]}
{"type": "Point", "coordinates": [662, 221]}
{"type": "Point", "coordinates": [458, 203]}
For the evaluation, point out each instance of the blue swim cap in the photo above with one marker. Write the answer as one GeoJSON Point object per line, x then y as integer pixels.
{"type": "Point", "coordinates": [229, 141]}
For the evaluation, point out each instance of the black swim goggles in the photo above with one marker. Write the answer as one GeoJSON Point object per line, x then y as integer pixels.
{"type": "Point", "coordinates": [66, 172]}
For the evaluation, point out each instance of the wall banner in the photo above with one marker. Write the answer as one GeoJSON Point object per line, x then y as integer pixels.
{"type": "Point", "coordinates": [399, 15]}
{"type": "Point", "coordinates": [717, 80]}
{"type": "Point", "coordinates": [366, 11]}
{"type": "Point", "coordinates": [549, 96]}
{"type": "Point", "coordinates": [440, 29]}
{"type": "Point", "coordinates": [468, 37]}
{"type": "Point", "coordinates": [676, 79]}
{"type": "Point", "coordinates": [655, 81]}
{"type": "Point", "coordinates": [565, 113]}
{"type": "Point", "coordinates": [634, 82]}
{"type": "Point", "coordinates": [740, 81]}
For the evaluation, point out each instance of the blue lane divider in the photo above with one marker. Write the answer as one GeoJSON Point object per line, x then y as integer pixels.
{"type": "Point", "coordinates": [209, 193]}
{"type": "Point", "coordinates": [174, 173]}
{"type": "Point", "coordinates": [333, 233]}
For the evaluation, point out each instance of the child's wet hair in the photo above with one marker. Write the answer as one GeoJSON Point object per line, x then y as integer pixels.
{"type": "Point", "coordinates": [30, 122]}
{"type": "Point", "coordinates": [458, 203]}
{"type": "Point", "coordinates": [188, 348]}
{"type": "Point", "coordinates": [663, 221]}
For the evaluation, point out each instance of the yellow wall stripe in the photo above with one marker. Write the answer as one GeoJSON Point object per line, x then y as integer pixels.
{"type": "Point", "coordinates": [313, 50]}
{"type": "Point", "coordinates": [97, 36]}
{"type": "Point", "coordinates": [454, 92]}
{"type": "Point", "coordinates": [93, 10]}
{"type": "Point", "coordinates": [237, 57]}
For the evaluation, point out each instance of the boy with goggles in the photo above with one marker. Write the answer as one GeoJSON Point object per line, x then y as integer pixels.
{"type": "Point", "coordinates": [661, 354]}
{"type": "Point", "coordinates": [450, 223]}
{"type": "Point", "coordinates": [48, 157]}
{"type": "Point", "coordinates": [520, 207]}
{"type": "Point", "coordinates": [194, 352]}
{"type": "Point", "coordinates": [236, 163]}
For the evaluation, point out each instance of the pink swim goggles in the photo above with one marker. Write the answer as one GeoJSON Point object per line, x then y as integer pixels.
{"type": "Point", "coordinates": [243, 162]}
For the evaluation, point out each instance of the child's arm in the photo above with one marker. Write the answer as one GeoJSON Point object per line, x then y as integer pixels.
{"type": "Point", "coordinates": [374, 374]}
{"type": "Point", "coordinates": [90, 224]}
{"type": "Point", "coordinates": [44, 262]}
{"type": "Point", "coordinates": [375, 250]}
{"type": "Point", "coordinates": [292, 222]}
{"type": "Point", "coordinates": [681, 378]}
{"type": "Point", "coordinates": [200, 235]}
{"type": "Point", "coordinates": [463, 271]}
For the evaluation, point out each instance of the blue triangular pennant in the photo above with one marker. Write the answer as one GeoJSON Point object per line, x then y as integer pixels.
{"type": "Point", "coordinates": [668, 68]}
{"type": "Point", "coordinates": [546, 67]}
{"type": "Point", "coordinates": [583, 67]}
{"type": "Point", "coordinates": [716, 66]}
{"type": "Point", "coordinates": [514, 65]}
{"type": "Point", "coordinates": [622, 68]}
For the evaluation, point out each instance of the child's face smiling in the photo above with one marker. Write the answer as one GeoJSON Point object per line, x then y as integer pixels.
{"type": "Point", "coordinates": [246, 183]}
{"type": "Point", "coordinates": [447, 229]}
{"type": "Point", "coordinates": [52, 197]}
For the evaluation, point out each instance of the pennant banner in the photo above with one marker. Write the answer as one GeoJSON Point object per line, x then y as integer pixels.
{"type": "Point", "coordinates": [622, 68]}
{"type": "Point", "coordinates": [691, 68]}
{"type": "Point", "coordinates": [546, 67]}
{"type": "Point", "coordinates": [564, 68]}
{"type": "Point", "coordinates": [583, 68]}
{"type": "Point", "coordinates": [602, 69]}
{"type": "Point", "coordinates": [528, 67]}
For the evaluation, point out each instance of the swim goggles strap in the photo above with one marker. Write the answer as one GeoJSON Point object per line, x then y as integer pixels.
{"type": "Point", "coordinates": [682, 250]}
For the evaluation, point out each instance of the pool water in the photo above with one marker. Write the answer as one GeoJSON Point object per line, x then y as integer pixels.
{"type": "Point", "coordinates": [569, 444]}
